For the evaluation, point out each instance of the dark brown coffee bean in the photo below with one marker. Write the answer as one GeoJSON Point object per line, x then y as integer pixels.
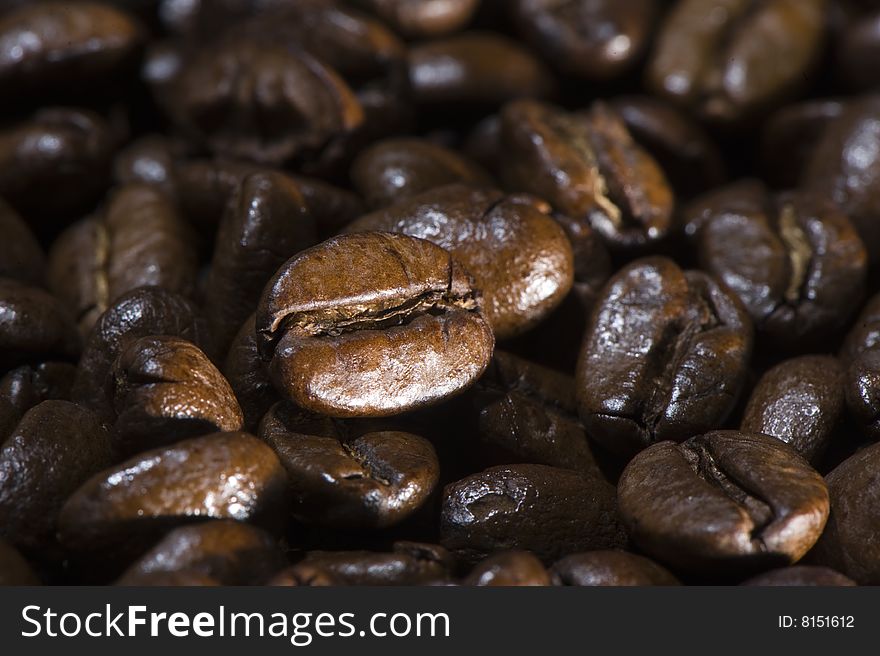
{"type": "Point", "coordinates": [14, 570]}
{"type": "Point", "coordinates": [796, 262]}
{"type": "Point", "coordinates": [423, 18]}
{"type": "Point", "coordinates": [149, 160]}
{"type": "Point", "coordinates": [31, 384]}
{"type": "Point", "coordinates": [589, 168]}
{"type": "Point", "coordinates": [845, 168]}
{"type": "Point", "coordinates": [519, 257]}
{"type": "Point", "coordinates": [801, 575]}
{"type": "Point", "coordinates": [408, 563]}
{"type": "Point", "coordinates": [862, 388]}
{"type": "Point", "coordinates": [730, 59]}
{"type": "Point", "coordinates": [21, 257]}
{"type": "Point", "coordinates": [723, 503]}
{"type": "Point", "coordinates": [527, 413]}
{"type": "Point", "coordinates": [800, 402]}
{"type": "Point", "coordinates": [617, 568]}
{"type": "Point", "coordinates": [848, 543]}
{"type": "Point", "coordinates": [859, 43]}
{"type": "Point", "coordinates": [546, 510]}
{"type": "Point", "coordinates": [65, 150]}
{"type": "Point", "coordinates": [372, 324]}
{"type": "Point", "coordinates": [138, 241]}
{"type": "Point", "coordinates": [221, 476]}
{"type": "Point", "coordinates": [34, 326]}
{"type": "Point", "coordinates": [228, 552]}
{"type": "Point", "coordinates": [47, 45]}
{"type": "Point", "coordinates": [475, 68]}
{"type": "Point", "coordinates": [664, 357]}
{"type": "Point", "coordinates": [248, 376]}
{"type": "Point", "coordinates": [53, 450]}
{"type": "Point", "coordinates": [509, 568]}
{"type": "Point", "coordinates": [143, 312]}
{"type": "Point", "coordinates": [165, 390]}
{"type": "Point", "coordinates": [374, 481]}
{"type": "Point", "coordinates": [394, 169]}
{"type": "Point", "coordinates": [864, 335]}
{"type": "Point", "coordinates": [587, 38]}
{"type": "Point", "coordinates": [303, 576]}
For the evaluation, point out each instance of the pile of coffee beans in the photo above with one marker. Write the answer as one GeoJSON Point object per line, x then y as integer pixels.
{"type": "Point", "coordinates": [440, 292]}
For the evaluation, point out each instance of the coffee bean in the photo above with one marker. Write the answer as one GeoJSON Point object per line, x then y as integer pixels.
{"type": "Point", "coordinates": [519, 257]}
{"type": "Point", "coordinates": [303, 575]}
{"type": "Point", "coordinates": [587, 166]}
{"type": "Point", "coordinates": [800, 401]}
{"type": "Point", "coordinates": [248, 377]}
{"type": "Point", "coordinates": [618, 568]}
{"type": "Point", "coordinates": [374, 481]}
{"type": "Point", "coordinates": [372, 324]}
{"type": "Point", "coordinates": [859, 43]}
{"type": "Point", "coordinates": [149, 160]}
{"type": "Point", "coordinates": [546, 510]}
{"type": "Point", "coordinates": [21, 257]}
{"type": "Point", "coordinates": [862, 389]}
{"type": "Point", "coordinates": [801, 575]}
{"type": "Point", "coordinates": [31, 384]}
{"type": "Point", "coordinates": [864, 335]}
{"type": "Point", "coordinates": [724, 503]}
{"type": "Point", "coordinates": [664, 356]}
{"type": "Point", "coordinates": [424, 18]}
{"type": "Point", "coordinates": [408, 563]}
{"type": "Point", "coordinates": [509, 568]}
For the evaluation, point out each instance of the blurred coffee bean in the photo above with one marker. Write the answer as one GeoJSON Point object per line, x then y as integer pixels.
{"type": "Point", "coordinates": [14, 570]}
{"type": "Point", "coordinates": [66, 150]}
{"type": "Point", "coordinates": [372, 324]}
{"type": "Point", "coordinates": [34, 326]}
{"type": "Point", "coordinates": [149, 160]}
{"type": "Point", "coordinates": [166, 390]}
{"type": "Point", "coordinates": [509, 568]}
{"type": "Point", "coordinates": [546, 510]}
{"type": "Point", "coordinates": [664, 357]}
{"type": "Point", "coordinates": [589, 168]}
{"type": "Point", "coordinates": [864, 333]}
{"type": "Point", "coordinates": [848, 543]}
{"type": "Point", "coordinates": [248, 376]}
{"type": "Point", "coordinates": [594, 39]}
{"type": "Point", "coordinates": [519, 257]}
{"type": "Point", "coordinates": [801, 575]}
{"type": "Point", "coordinates": [267, 222]}
{"type": "Point", "coordinates": [226, 551]}
{"type": "Point", "coordinates": [475, 69]}
{"type": "Point", "coordinates": [302, 576]}
{"type": "Point", "coordinates": [374, 481]}
{"type": "Point", "coordinates": [724, 503]}
{"type": "Point", "coordinates": [139, 240]}
{"type": "Point", "coordinates": [31, 384]}
{"type": "Point", "coordinates": [859, 43]}
{"type": "Point", "coordinates": [394, 169]}
{"type": "Point", "coordinates": [408, 563]}
{"type": "Point", "coordinates": [21, 257]}
{"type": "Point", "coordinates": [55, 447]}
{"type": "Point", "coordinates": [422, 18]}
{"type": "Point", "coordinates": [728, 60]}
{"type": "Point", "coordinates": [799, 401]}
{"type": "Point", "coordinates": [603, 568]}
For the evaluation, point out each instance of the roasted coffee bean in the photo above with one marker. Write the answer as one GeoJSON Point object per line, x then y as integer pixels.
{"type": "Point", "coordinates": [394, 169]}
{"type": "Point", "coordinates": [690, 159]}
{"type": "Point", "coordinates": [166, 390]}
{"type": "Point", "coordinates": [47, 46]}
{"type": "Point", "coordinates": [266, 223]}
{"type": "Point", "coordinates": [374, 481]}
{"type": "Point", "coordinates": [664, 357]}
{"type": "Point", "coordinates": [848, 543]}
{"type": "Point", "coordinates": [475, 68]}
{"type": "Point", "coordinates": [21, 257]}
{"type": "Point", "coordinates": [796, 262]}
{"type": "Point", "coordinates": [546, 510]}
{"type": "Point", "coordinates": [138, 241]}
{"type": "Point", "coordinates": [509, 568]}
{"type": "Point", "coordinates": [423, 18]}
{"type": "Point", "coordinates": [862, 388]}
{"type": "Point", "coordinates": [589, 168]}
{"type": "Point", "coordinates": [372, 324]}
{"type": "Point", "coordinates": [801, 575]}
{"type": "Point", "coordinates": [14, 570]}
{"type": "Point", "coordinates": [408, 563]}
{"type": "Point", "coordinates": [149, 160]}
{"type": "Point", "coordinates": [527, 413]}
{"type": "Point", "coordinates": [117, 512]}
{"type": "Point", "coordinates": [723, 503]}
{"type": "Point", "coordinates": [66, 150]}
{"type": "Point", "coordinates": [860, 43]}
{"type": "Point", "coordinates": [799, 401]}
{"type": "Point", "coordinates": [31, 384]}
{"type": "Point", "coordinates": [34, 326]}
{"type": "Point", "coordinates": [303, 576]}
{"type": "Point", "coordinates": [588, 38]}
{"type": "Point", "coordinates": [845, 168]}
{"type": "Point", "coordinates": [864, 335]}
{"type": "Point", "coordinates": [143, 312]}
{"type": "Point", "coordinates": [261, 102]}
{"type": "Point", "coordinates": [226, 551]}
{"type": "Point", "coordinates": [55, 447]}
{"type": "Point", "coordinates": [618, 568]}
{"type": "Point", "coordinates": [790, 136]}
{"type": "Point", "coordinates": [519, 257]}
{"type": "Point", "coordinates": [728, 60]}
{"type": "Point", "coordinates": [248, 377]}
